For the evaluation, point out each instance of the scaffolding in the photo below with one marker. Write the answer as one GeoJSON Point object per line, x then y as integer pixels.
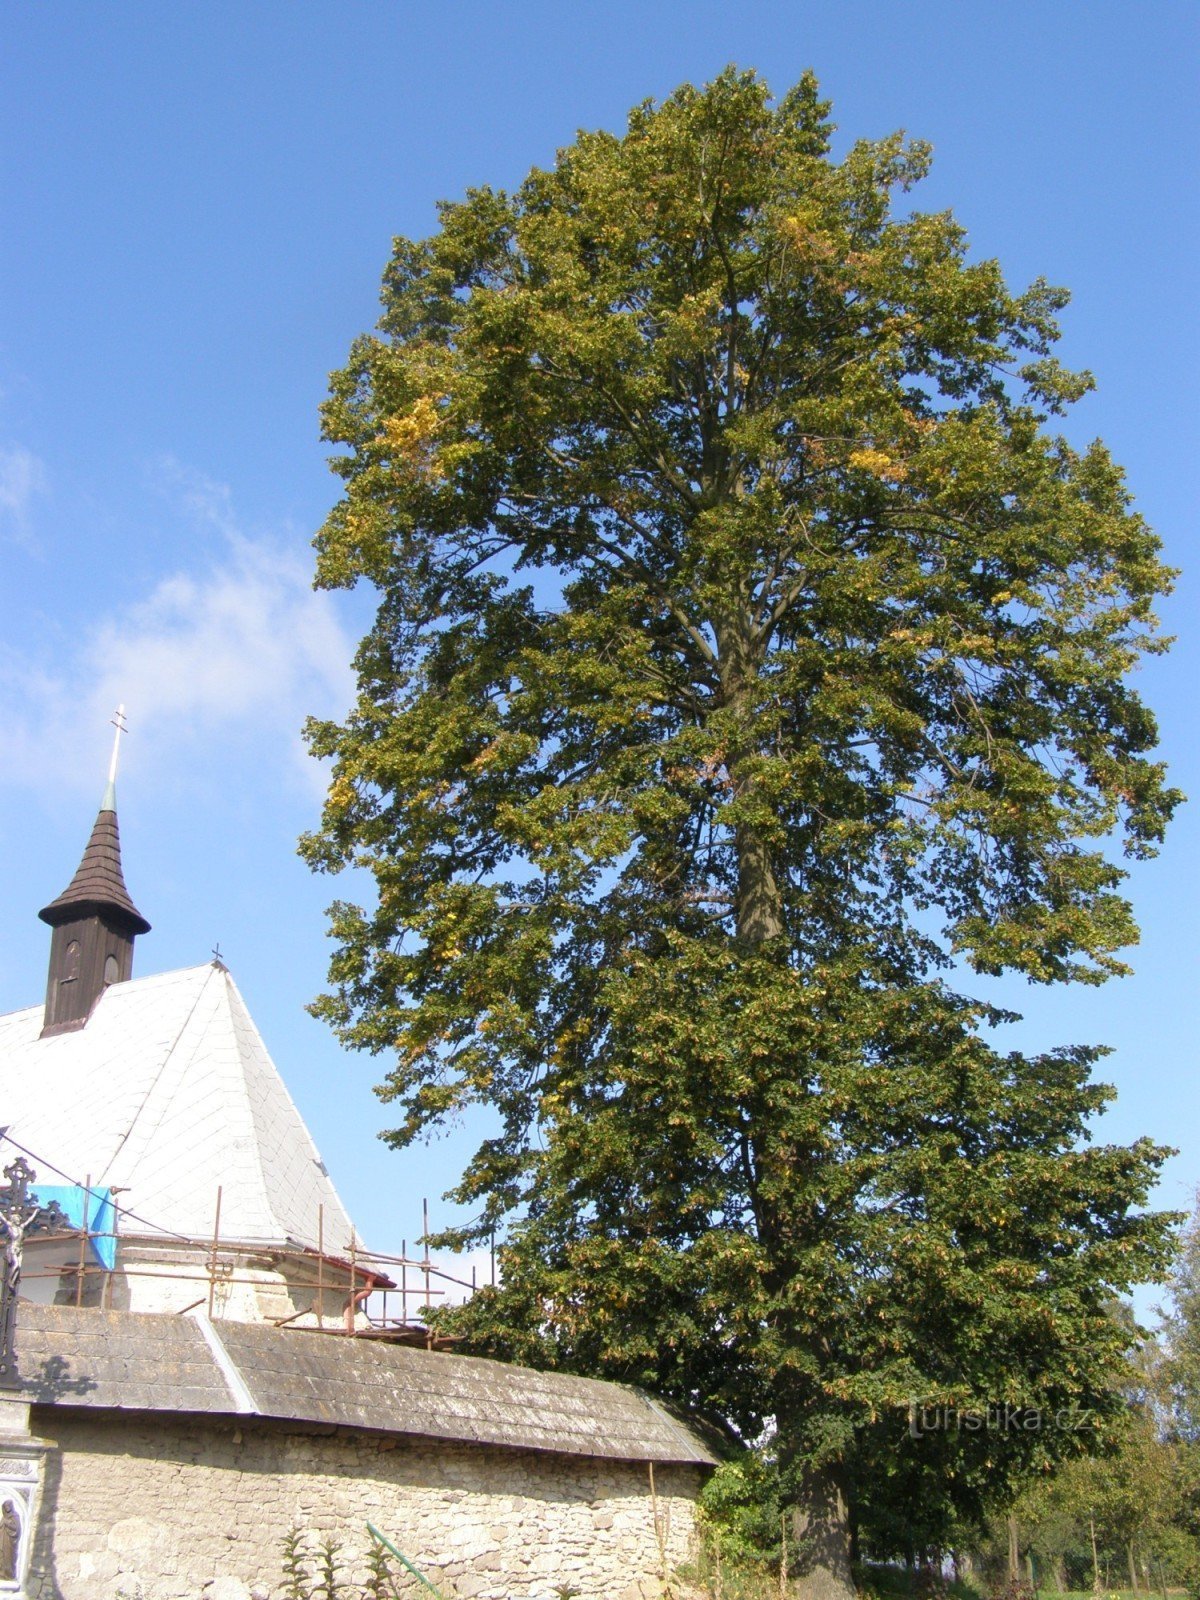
{"type": "Point", "coordinates": [359, 1281]}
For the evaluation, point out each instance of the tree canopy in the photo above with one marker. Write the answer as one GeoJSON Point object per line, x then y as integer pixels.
{"type": "Point", "coordinates": [751, 664]}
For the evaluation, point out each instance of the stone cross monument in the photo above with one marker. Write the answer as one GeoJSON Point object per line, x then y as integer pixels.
{"type": "Point", "coordinates": [21, 1455]}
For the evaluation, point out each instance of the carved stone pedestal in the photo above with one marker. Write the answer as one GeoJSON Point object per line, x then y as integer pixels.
{"type": "Point", "coordinates": [21, 1461]}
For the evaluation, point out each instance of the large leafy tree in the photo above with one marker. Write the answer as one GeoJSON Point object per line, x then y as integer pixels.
{"type": "Point", "coordinates": [1178, 1374]}
{"type": "Point", "coordinates": [1120, 1509]}
{"type": "Point", "coordinates": [750, 663]}
{"type": "Point", "coordinates": [1179, 1370]}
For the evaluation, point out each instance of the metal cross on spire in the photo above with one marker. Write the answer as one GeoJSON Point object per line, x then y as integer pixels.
{"type": "Point", "coordinates": [109, 803]}
{"type": "Point", "coordinates": [119, 723]}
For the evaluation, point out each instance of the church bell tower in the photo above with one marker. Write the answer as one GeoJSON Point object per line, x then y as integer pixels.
{"type": "Point", "coordinates": [94, 922]}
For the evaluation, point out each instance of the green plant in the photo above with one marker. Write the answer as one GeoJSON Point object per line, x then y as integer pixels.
{"type": "Point", "coordinates": [328, 1552]}
{"type": "Point", "coordinates": [1013, 1589]}
{"type": "Point", "coordinates": [299, 1581]}
{"type": "Point", "coordinates": [740, 1508]}
{"type": "Point", "coordinates": [296, 1585]}
{"type": "Point", "coordinates": [380, 1583]}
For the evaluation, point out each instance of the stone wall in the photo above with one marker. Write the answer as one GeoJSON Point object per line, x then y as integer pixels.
{"type": "Point", "coordinates": [171, 1508]}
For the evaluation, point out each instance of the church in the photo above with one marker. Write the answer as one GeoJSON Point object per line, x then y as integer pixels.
{"type": "Point", "coordinates": [199, 1178]}
{"type": "Point", "coordinates": [196, 1377]}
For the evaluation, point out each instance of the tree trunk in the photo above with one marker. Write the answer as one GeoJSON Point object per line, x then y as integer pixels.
{"type": "Point", "coordinates": [821, 1524]}
{"type": "Point", "coordinates": [1014, 1550]}
{"type": "Point", "coordinates": [1095, 1557]}
{"type": "Point", "coordinates": [1133, 1581]}
{"type": "Point", "coordinates": [759, 903]}
{"type": "Point", "coordinates": [824, 1535]}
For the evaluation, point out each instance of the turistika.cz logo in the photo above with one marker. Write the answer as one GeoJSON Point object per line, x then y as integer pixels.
{"type": "Point", "coordinates": [923, 1419]}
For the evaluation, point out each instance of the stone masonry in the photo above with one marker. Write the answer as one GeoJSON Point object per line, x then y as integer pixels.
{"type": "Point", "coordinates": [166, 1507]}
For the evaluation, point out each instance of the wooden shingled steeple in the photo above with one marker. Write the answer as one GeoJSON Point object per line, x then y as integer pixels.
{"type": "Point", "coordinates": [95, 923]}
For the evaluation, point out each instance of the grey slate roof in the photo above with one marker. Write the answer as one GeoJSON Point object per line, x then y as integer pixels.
{"type": "Point", "coordinates": [99, 882]}
{"type": "Point", "coordinates": [117, 1359]}
{"type": "Point", "coordinates": [120, 1360]}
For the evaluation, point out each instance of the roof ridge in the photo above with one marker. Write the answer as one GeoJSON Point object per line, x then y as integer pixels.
{"type": "Point", "coordinates": [239, 1390]}
{"type": "Point", "coordinates": [238, 1004]}
{"type": "Point", "coordinates": [228, 993]}
{"type": "Point", "coordinates": [154, 1082]}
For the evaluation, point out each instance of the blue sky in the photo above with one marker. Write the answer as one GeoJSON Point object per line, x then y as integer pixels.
{"type": "Point", "coordinates": [196, 205]}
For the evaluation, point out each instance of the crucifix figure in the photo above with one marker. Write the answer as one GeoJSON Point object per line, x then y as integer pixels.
{"type": "Point", "coordinates": [20, 1213]}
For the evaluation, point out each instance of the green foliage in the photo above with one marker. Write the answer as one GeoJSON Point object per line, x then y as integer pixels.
{"type": "Point", "coordinates": [876, 1581]}
{"type": "Point", "coordinates": [1129, 1493]}
{"type": "Point", "coordinates": [712, 1573]}
{"type": "Point", "coordinates": [1180, 1368]}
{"type": "Point", "coordinates": [749, 653]}
{"type": "Point", "coordinates": [1178, 1390]}
{"type": "Point", "coordinates": [741, 1510]}
{"type": "Point", "coordinates": [1120, 1514]}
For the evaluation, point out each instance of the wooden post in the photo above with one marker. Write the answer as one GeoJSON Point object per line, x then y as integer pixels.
{"type": "Point", "coordinates": [659, 1535]}
{"type": "Point", "coordinates": [83, 1238]}
{"type": "Point", "coordinates": [110, 1272]}
{"type": "Point", "coordinates": [425, 1270]}
{"type": "Point", "coordinates": [351, 1308]}
{"type": "Point", "coordinates": [212, 1259]}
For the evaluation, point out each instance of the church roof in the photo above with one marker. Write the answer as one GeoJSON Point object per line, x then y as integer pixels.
{"type": "Point", "coordinates": [117, 1360]}
{"type": "Point", "coordinates": [167, 1093]}
{"type": "Point", "coordinates": [99, 883]}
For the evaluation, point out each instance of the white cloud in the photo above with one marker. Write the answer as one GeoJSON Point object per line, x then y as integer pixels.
{"type": "Point", "coordinates": [22, 477]}
{"type": "Point", "coordinates": [461, 1267]}
{"type": "Point", "coordinates": [235, 652]}
{"type": "Point", "coordinates": [203, 499]}
{"type": "Point", "coordinates": [450, 1283]}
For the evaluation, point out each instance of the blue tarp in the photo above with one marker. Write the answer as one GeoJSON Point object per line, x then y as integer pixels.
{"type": "Point", "coordinates": [92, 1209]}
